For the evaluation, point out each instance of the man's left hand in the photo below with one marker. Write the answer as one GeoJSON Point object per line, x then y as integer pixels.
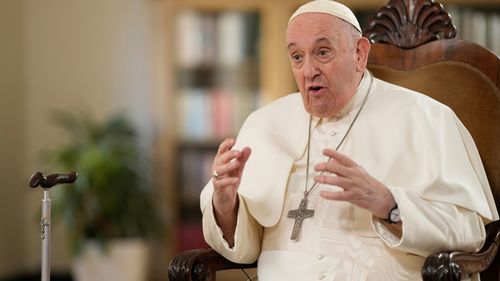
{"type": "Point", "coordinates": [358, 186]}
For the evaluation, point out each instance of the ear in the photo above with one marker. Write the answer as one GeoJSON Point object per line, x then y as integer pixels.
{"type": "Point", "coordinates": [362, 51]}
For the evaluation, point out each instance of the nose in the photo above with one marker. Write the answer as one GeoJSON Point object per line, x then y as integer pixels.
{"type": "Point", "coordinates": [311, 69]}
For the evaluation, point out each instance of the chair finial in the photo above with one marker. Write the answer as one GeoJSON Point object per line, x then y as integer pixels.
{"type": "Point", "coordinates": [410, 23]}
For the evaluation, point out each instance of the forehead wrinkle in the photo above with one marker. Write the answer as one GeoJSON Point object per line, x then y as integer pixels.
{"type": "Point", "coordinates": [324, 29]}
{"type": "Point", "coordinates": [317, 41]}
{"type": "Point", "coordinates": [323, 40]}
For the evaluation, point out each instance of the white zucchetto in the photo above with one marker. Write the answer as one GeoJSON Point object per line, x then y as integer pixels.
{"type": "Point", "coordinates": [329, 7]}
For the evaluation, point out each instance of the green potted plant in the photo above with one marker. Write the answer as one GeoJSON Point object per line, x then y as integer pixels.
{"type": "Point", "coordinates": [111, 200]}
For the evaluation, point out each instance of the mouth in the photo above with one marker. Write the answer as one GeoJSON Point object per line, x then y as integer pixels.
{"type": "Point", "coordinates": [314, 89]}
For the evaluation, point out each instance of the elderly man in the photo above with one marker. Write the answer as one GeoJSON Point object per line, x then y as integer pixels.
{"type": "Point", "coordinates": [353, 178]}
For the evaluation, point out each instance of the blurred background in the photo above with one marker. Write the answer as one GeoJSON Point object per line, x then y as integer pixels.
{"type": "Point", "coordinates": [184, 74]}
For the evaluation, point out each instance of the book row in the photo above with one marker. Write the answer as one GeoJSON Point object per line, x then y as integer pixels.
{"type": "Point", "coordinates": [225, 38]}
{"type": "Point", "coordinates": [205, 114]}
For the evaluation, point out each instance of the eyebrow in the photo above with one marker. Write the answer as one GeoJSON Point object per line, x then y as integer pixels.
{"type": "Point", "coordinates": [319, 40]}
{"type": "Point", "coordinates": [322, 40]}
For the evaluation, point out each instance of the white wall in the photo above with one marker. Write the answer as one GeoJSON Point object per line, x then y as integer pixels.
{"type": "Point", "coordinates": [94, 55]}
{"type": "Point", "coordinates": [13, 188]}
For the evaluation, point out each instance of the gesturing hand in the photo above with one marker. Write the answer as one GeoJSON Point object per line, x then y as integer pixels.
{"type": "Point", "coordinates": [358, 186]}
{"type": "Point", "coordinates": [228, 165]}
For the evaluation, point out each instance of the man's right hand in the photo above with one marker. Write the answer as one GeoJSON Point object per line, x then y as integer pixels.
{"type": "Point", "coordinates": [228, 165]}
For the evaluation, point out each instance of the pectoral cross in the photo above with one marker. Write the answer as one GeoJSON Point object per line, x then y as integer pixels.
{"type": "Point", "coordinates": [299, 215]}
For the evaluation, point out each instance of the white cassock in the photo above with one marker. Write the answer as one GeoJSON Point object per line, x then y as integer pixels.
{"type": "Point", "coordinates": [414, 145]}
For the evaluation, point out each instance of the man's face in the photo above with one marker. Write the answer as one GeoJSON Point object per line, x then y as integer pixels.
{"type": "Point", "coordinates": [323, 55]}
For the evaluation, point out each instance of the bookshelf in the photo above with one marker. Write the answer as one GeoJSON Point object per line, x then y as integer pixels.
{"type": "Point", "coordinates": [217, 84]}
{"type": "Point", "coordinates": [478, 24]}
{"type": "Point", "coordinates": [224, 59]}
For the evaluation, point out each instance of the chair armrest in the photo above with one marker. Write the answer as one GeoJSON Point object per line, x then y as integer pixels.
{"type": "Point", "coordinates": [451, 266]}
{"type": "Point", "coordinates": [200, 265]}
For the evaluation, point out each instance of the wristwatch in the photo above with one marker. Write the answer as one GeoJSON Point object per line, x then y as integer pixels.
{"type": "Point", "coordinates": [393, 216]}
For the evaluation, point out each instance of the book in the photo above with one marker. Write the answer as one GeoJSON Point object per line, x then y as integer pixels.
{"type": "Point", "coordinates": [231, 35]}
{"type": "Point", "coordinates": [194, 114]}
{"type": "Point", "coordinates": [222, 113]}
{"type": "Point", "coordinates": [479, 26]}
{"type": "Point", "coordinates": [494, 33]}
{"type": "Point", "coordinates": [188, 34]}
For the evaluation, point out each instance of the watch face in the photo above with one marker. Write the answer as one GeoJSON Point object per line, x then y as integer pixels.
{"type": "Point", "coordinates": [394, 216]}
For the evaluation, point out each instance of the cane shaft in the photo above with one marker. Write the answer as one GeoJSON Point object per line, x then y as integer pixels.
{"type": "Point", "coordinates": [45, 235]}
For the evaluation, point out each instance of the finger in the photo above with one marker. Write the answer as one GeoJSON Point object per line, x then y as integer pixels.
{"type": "Point", "coordinates": [227, 156]}
{"type": "Point", "coordinates": [337, 195]}
{"type": "Point", "coordinates": [225, 145]}
{"type": "Point", "coordinates": [341, 158]}
{"type": "Point", "coordinates": [224, 183]}
{"type": "Point", "coordinates": [341, 182]}
{"type": "Point", "coordinates": [227, 168]}
{"type": "Point", "coordinates": [333, 167]}
{"type": "Point", "coordinates": [245, 154]}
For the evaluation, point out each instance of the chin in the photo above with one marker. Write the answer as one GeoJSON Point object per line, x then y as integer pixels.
{"type": "Point", "coordinates": [319, 113]}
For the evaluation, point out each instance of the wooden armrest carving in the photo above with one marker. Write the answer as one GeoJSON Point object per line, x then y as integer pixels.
{"type": "Point", "coordinates": [450, 266]}
{"type": "Point", "coordinates": [200, 265]}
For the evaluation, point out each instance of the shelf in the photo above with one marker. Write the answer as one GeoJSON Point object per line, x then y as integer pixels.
{"type": "Point", "coordinates": [245, 75]}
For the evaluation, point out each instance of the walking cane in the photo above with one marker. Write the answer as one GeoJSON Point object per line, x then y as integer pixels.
{"type": "Point", "coordinates": [37, 179]}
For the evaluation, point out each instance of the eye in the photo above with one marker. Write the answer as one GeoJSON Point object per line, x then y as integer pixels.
{"type": "Point", "coordinates": [296, 58]}
{"type": "Point", "coordinates": [323, 53]}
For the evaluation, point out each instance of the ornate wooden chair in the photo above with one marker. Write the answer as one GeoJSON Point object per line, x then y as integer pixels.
{"type": "Point", "coordinates": [413, 45]}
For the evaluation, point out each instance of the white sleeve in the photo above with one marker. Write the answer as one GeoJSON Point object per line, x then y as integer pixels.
{"type": "Point", "coordinates": [247, 237]}
{"type": "Point", "coordinates": [431, 226]}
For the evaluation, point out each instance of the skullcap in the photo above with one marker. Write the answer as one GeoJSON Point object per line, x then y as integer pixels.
{"type": "Point", "coordinates": [328, 7]}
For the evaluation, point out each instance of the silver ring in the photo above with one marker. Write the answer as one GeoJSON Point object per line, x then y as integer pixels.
{"type": "Point", "coordinates": [216, 175]}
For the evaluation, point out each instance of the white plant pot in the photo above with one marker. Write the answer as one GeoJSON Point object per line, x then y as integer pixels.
{"type": "Point", "coordinates": [120, 260]}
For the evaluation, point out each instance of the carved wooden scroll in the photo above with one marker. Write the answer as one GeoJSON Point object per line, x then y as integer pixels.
{"type": "Point", "coordinates": [456, 266]}
{"type": "Point", "coordinates": [200, 265]}
{"type": "Point", "coordinates": [410, 23]}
